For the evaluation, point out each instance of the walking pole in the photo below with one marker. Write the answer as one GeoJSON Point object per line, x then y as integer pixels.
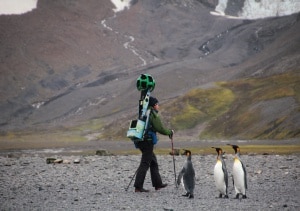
{"type": "Point", "coordinates": [126, 189]}
{"type": "Point", "coordinates": [173, 161]}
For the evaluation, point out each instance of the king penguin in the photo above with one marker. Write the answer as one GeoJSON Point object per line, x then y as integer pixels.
{"type": "Point", "coordinates": [187, 174]}
{"type": "Point", "coordinates": [239, 174]}
{"type": "Point", "coordinates": [221, 174]}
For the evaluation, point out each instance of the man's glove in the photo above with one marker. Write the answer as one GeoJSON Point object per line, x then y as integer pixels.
{"type": "Point", "coordinates": [171, 135]}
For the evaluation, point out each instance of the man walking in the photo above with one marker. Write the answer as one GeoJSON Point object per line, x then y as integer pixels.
{"type": "Point", "coordinates": [146, 146]}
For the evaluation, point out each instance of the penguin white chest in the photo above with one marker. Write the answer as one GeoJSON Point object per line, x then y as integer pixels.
{"type": "Point", "coordinates": [238, 176]}
{"type": "Point", "coordinates": [219, 177]}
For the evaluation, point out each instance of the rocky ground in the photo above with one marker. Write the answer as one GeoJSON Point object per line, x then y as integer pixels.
{"type": "Point", "coordinates": [100, 182]}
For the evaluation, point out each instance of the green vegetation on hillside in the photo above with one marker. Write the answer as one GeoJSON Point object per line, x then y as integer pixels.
{"type": "Point", "coordinates": [200, 105]}
{"type": "Point", "coordinates": [244, 109]}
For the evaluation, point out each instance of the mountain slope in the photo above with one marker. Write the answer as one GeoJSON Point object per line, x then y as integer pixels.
{"type": "Point", "coordinates": [68, 63]}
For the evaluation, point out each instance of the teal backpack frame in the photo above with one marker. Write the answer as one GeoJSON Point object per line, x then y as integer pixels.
{"type": "Point", "coordinates": [145, 84]}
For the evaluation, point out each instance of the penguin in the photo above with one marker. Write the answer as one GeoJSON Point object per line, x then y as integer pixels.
{"type": "Point", "coordinates": [187, 175]}
{"type": "Point", "coordinates": [239, 174]}
{"type": "Point", "coordinates": [221, 174]}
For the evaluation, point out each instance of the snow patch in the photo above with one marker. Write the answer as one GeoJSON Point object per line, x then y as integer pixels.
{"type": "Point", "coordinates": [269, 8]}
{"type": "Point", "coordinates": [121, 5]}
{"type": "Point", "coordinates": [37, 105]}
{"type": "Point", "coordinates": [16, 7]}
{"type": "Point", "coordinates": [220, 8]}
{"type": "Point", "coordinates": [260, 8]}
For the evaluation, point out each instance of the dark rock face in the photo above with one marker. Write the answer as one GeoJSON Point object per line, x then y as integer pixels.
{"type": "Point", "coordinates": [234, 7]}
{"type": "Point", "coordinates": [70, 61]}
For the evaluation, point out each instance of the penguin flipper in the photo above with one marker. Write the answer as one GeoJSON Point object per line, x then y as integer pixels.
{"type": "Point", "coordinates": [225, 174]}
{"type": "Point", "coordinates": [226, 180]}
{"type": "Point", "coordinates": [180, 176]}
{"type": "Point", "coordinates": [245, 177]}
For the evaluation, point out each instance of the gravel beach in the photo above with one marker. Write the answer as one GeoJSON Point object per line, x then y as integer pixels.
{"type": "Point", "coordinates": [100, 182]}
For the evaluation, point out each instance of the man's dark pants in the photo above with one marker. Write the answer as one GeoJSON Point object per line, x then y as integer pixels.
{"type": "Point", "coordinates": [148, 160]}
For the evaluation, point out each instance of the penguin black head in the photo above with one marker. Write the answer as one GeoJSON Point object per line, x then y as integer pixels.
{"type": "Point", "coordinates": [235, 147]}
{"type": "Point", "coordinates": [187, 152]}
{"type": "Point", "coordinates": [219, 150]}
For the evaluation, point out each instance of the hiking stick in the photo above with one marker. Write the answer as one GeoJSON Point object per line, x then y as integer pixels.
{"type": "Point", "coordinates": [173, 161]}
{"type": "Point", "coordinates": [126, 189]}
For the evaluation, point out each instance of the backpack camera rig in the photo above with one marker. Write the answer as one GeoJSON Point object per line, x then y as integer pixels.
{"type": "Point", "coordinates": [146, 84]}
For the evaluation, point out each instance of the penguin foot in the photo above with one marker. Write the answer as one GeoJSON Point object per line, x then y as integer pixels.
{"type": "Point", "coordinates": [191, 196]}
{"type": "Point", "coordinates": [186, 195]}
{"type": "Point", "coordinates": [221, 196]}
{"type": "Point", "coordinates": [238, 194]}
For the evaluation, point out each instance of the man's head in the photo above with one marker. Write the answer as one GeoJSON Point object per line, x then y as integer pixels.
{"type": "Point", "coordinates": [152, 101]}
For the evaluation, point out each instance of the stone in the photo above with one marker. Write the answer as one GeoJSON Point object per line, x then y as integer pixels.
{"type": "Point", "coordinates": [102, 152]}
{"type": "Point", "coordinates": [76, 161]}
{"type": "Point", "coordinates": [58, 161]}
{"type": "Point", "coordinates": [50, 160]}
